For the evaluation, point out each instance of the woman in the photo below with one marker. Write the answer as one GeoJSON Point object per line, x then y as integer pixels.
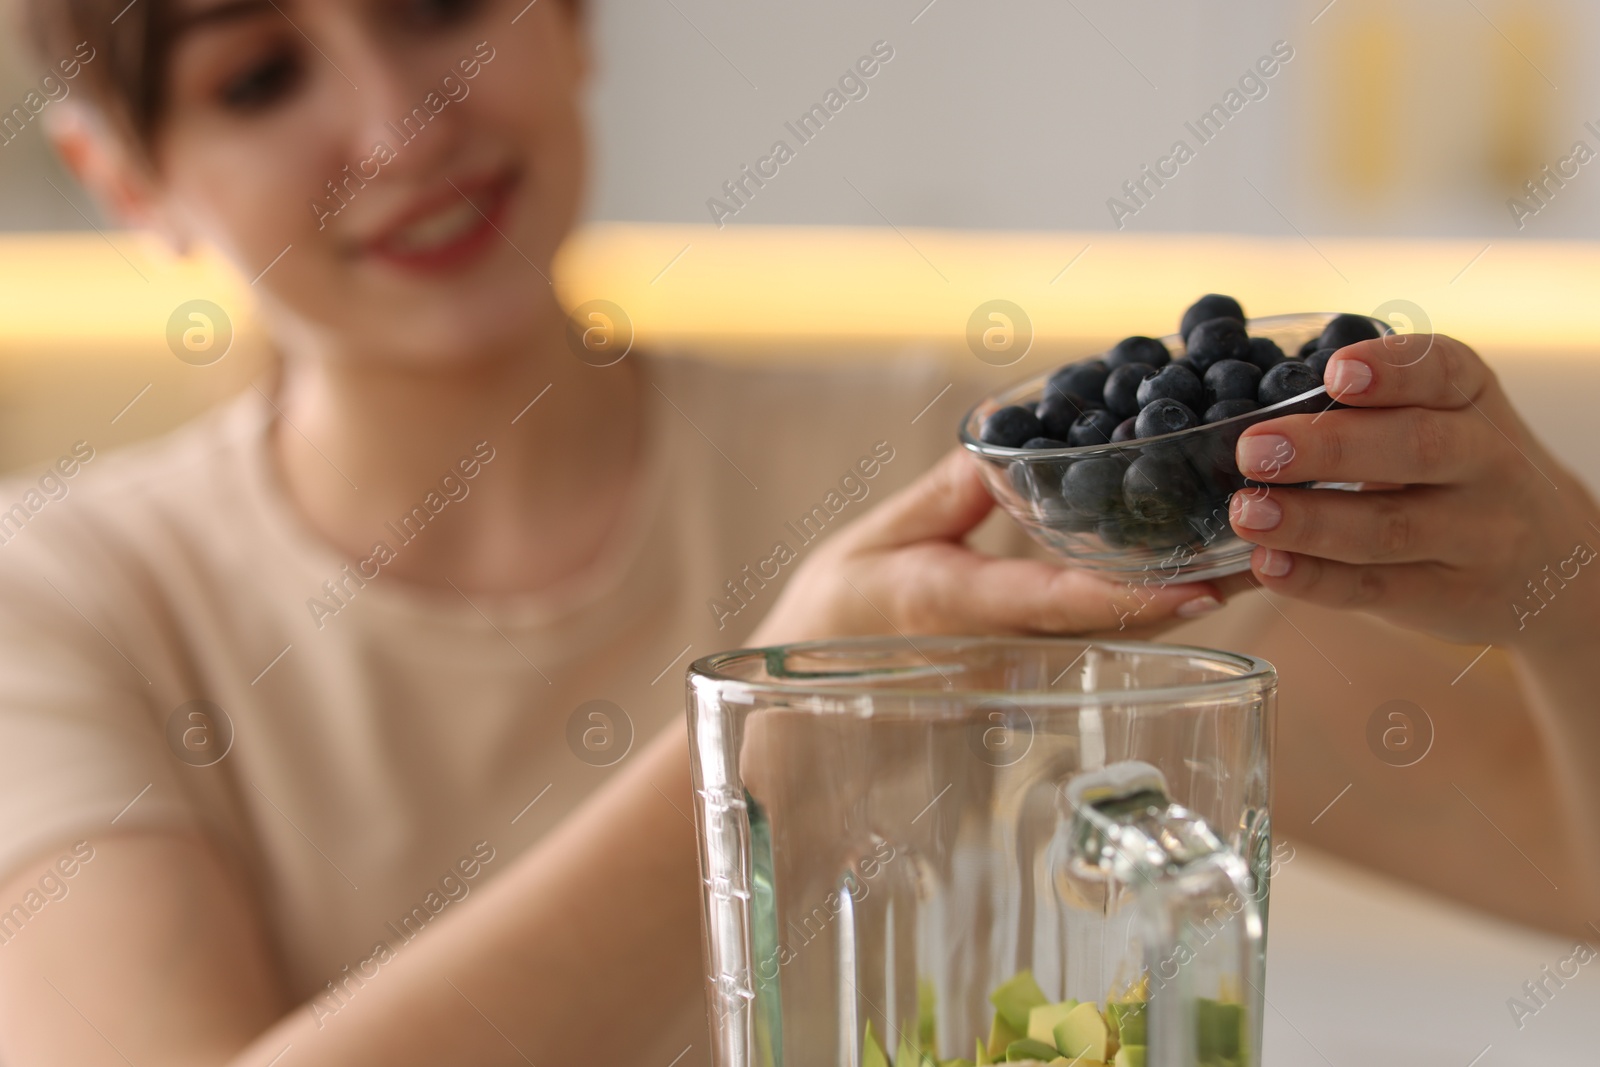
{"type": "Point", "coordinates": [439, 576]}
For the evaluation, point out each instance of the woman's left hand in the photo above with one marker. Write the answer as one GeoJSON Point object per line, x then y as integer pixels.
{"type": "Point", "coordinates": [1469, 529]}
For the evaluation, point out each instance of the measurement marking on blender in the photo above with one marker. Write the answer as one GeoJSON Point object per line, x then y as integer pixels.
{"type": "Point", "coordinates": [1473, 664]}
{"type": "Point", "coordinates": [1480, 1055]}
{"type": "Point", "coordinates": [531, 803]}
{"type": "Point", "coordinates": [1502, 833]}
{"type": "Point", "coordinates": [932, 802]}
{"type": "Point", "coordinates": [685, 1052]}
{"type": "Point", "coordinates": [1331, 803]}
{"type": "Point", "coordinates": [280, 1055]}
{"type": "Point", "coordinates": [669, 666]}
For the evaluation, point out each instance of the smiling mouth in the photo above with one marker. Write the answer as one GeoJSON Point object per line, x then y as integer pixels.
{"type": "Point", "coordinates": [455, 229]}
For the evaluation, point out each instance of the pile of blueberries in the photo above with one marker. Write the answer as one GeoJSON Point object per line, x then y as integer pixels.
{"type": "Point", "coordinates": [1154, 495]}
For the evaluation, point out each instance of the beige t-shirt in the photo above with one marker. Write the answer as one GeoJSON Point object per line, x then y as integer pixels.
{"type": "Point", "coordinates": [392, 746]}
{"type": "Point", "coordinates": [382, 749]}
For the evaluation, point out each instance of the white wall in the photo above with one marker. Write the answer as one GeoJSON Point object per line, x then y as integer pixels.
{"type": "Point", "coordinates": [1396, 116]}
{"type": "Point", "coordinates": [1409, 116]}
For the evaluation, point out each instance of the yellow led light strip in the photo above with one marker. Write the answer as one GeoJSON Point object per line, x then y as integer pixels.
{"type": "Point", "coordinates": [685, 285]}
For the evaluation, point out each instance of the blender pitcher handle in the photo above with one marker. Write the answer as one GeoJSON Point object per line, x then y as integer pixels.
{"type": "Point", "coordinates": [1197, 914]}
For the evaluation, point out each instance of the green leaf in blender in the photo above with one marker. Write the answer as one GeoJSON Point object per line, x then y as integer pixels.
{"type": "Point", "coordinates": [983, 1059]}
{"type": "Point", "coordinates": [872, 1054]}
{"type": "Point", "coordinates": [1015, 998]}
{"type": "Point", "coordinates": [1083, 1034]}
{"type": "Point", "coordinates": [1028, 1049]}
{"type": "Point", "coordinates": [1042, 1020]}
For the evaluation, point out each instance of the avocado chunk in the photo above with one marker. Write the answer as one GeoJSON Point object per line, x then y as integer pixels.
{"type": "Point", "coordinates": [1083, 1034]}
{"type": "Point", "coordinates": [1042, 1020]}
{"type": "Point", "coordinates": [983, 1058]}
{"type": "Point", "coordinates": [926, 1029]}
{"type": "Point", "coordinates": [1000, 1035]}
{"type": "Point", "coordinates": [1029, 1049]}
{"type": "Point", "coordinates": [909, 1055]}
{"type": "Point", "coordinates": [1128, 1020]}
{"type": "Point", "coordinates": [1218, 1030]}
{"type": "Point", "coordinates": [872, 1052]}
{"type": "Point", "coordinates": [1129, 1056]}
{"type": "Point", "coordinates": [1015, 998]}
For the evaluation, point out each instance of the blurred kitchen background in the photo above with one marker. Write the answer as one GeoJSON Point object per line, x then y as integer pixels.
{"type": "Point", "coordinates": [1407, 117]}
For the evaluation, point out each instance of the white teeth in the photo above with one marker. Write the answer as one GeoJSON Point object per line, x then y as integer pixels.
{"type": "Point", "coordinates": [438, 229]}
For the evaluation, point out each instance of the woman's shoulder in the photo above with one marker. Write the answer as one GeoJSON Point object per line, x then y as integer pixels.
{"type": "Point", "coordinates": [92, 502]}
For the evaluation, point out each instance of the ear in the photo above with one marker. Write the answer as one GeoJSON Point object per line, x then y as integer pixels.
{"type": "Point", "coordinates": [120, 180]}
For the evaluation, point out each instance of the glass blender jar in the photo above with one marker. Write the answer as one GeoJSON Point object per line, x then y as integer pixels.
{"type": "Point", "coordinates": [936, 851]}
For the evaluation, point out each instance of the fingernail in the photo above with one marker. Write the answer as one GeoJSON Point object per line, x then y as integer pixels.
{"type": "Point", "coordinates": [1350, 376]}
{"type": "Point", "coordinates": [1200, 605]}
{"type": "Point", "coordinates": [1265, 454]}
{"type": "Point", "coordinates": [1256, 512]}
{"type": "Point", "coordinates": [1275, 564]}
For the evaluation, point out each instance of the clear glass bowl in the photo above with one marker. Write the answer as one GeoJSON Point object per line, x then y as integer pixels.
{"type": "Point", "coordinates": [1174, 524]}
{"type": "Point", "coordinates": [889, 831]}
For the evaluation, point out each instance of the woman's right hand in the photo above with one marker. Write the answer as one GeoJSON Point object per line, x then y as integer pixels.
{"type": "Point", "coordinates": [905, 568]}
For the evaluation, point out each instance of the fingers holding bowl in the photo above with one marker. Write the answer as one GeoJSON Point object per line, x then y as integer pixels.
{"type": "Point", "coordinates": [1405, 446]}
{"type": "Point", "coordinates": [1401, 370]}
{"type": "Point", "coordinates": [1423, 524]}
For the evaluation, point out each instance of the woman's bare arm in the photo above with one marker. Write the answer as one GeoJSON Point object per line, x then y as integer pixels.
{"type": "Point", "coordinates": [587, 949]}
{"type": "Point", "coordinates": [1498, 813]}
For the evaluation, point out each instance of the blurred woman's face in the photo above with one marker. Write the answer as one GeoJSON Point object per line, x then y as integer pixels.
{"type": "Point", "coordinates": [415, 163]}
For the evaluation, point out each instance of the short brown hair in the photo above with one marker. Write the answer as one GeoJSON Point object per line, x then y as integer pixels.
{"type": "Point", "coordinates": [131, 41]}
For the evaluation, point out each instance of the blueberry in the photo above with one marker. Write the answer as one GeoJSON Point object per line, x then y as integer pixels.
{"type": "Point", "coordinates": [1347, 330]}
{"type": "Point", "coordinates": [1035, 443]}
{"type": "Point", "coordinates": [1310, 347]}
{"type": "Point", "coordinates": [1210, 306]}
{"type": "Point", "coordinates": [1092, 428]}
{"type": "Point", "coordinates": [1010, 426]}
{"type": "Point", "coordinates": [1172, 382]}
{"type": "Point", "coordinates": [1122, 388]}
{"type": "Point", "coordinates": [1227, 409]}
{"type": "Point", "coordinates": [1086, 379]}
{"type": "Point", "coordinates": [1119, 531]}
{"type": "Point", "coordinates": [1094, 486]}
{"type": "Point", "coordinates": [1287, 380]}
{"type": "Point", "coordinates": [1125, 431]}
{"type": "Point", "coordinates": [1318, 361]}
{"type": "Point", "coordinates": [1160, 487]}
{"type": "Point", "coordinates": [1217, 339]}
{"type": "Point", "coordinates": [1058, 411]}
{"type": "Point", "coordinates": [1265, 353]}
{"type": "Point", "coordinates": [1138, 350]}
{"type": "Point", "coordinates": [1168, 534]}
{"type": "Point", "coordinates": [1164, 416]}
{"type": "Point", "coordinates": [1230, 379]}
